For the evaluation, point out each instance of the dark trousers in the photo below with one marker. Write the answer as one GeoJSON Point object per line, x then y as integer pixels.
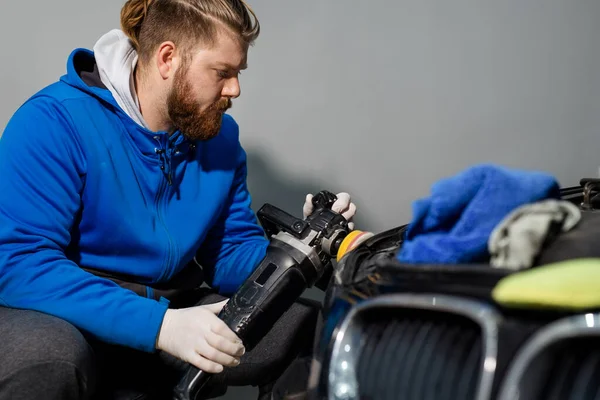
{"type": "Point", "coordinates": [43, 357]}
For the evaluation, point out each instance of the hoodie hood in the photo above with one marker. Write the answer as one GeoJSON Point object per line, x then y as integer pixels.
{"type": "Point", "coordinates": [116, 60]}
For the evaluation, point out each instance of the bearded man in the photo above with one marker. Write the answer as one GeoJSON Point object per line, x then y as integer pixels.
{"type": "Point", "coordinates": [123, 190]}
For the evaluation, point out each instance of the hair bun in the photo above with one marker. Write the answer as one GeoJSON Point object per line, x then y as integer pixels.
{"type": "Point", "coordinates": [133, 14]}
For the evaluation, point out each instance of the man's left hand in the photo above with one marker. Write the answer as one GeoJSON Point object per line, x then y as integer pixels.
{"type": "Point", "coordinates": [343, 205]}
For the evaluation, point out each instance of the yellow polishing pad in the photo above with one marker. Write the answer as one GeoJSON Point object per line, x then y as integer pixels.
{"type": "Point", "coordinates": [569, 285]}
{"type": "Point", "coordinates": [352, 240]}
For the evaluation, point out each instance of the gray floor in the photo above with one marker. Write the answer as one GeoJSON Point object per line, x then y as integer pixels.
{"type": "Point", "coordinates": [239, 393]}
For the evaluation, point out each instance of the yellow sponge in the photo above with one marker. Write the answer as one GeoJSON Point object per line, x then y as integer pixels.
{"type": "Point", "coordinates": [567, 285]}
{"type": "Point", "coordinates": [351, 241]}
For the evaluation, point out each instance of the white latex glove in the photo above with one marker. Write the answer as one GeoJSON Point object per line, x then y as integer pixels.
{"type": "Point", "coordinates": [343, 205]}
{"type": "Point", "coordinates": [198, 336]}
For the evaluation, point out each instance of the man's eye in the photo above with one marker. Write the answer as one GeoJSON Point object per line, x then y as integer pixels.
{"type": "Point", "coordinates": [224, 74]}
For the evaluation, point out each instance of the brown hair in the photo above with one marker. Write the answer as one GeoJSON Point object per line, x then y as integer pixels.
{"type": "Point", "coordinates": [148, 23]}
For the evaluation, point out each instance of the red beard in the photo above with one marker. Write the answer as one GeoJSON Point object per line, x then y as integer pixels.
{"type": "Point", "coordinates": [185, 113]}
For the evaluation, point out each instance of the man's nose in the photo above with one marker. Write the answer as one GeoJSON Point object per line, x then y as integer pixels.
{"type": "Point", "coordinates": [232, 88]}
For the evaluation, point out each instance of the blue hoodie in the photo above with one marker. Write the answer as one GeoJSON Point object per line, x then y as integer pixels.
{"type": "Point", "coordinates": [83, 187]}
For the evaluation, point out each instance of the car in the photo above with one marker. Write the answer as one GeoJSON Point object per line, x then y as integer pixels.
{"type": "Point", "coordinates": [399, 331]}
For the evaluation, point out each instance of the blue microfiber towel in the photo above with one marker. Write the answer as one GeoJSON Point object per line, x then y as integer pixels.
{"type": "Point", "coordinates": [453, 225]}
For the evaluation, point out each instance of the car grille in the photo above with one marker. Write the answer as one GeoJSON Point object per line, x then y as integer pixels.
{"type": "Point", "coordinates": [561, 361]}
{"type": "Point", "coordinates": [415, 347]}
{"type": "Point", "coordinates": [574, 372]}
{"type": "Point", "coordinates": [416, 354]}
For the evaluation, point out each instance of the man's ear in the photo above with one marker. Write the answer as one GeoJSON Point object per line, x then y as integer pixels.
{"type": "Point", "coordinates": [166, 60]}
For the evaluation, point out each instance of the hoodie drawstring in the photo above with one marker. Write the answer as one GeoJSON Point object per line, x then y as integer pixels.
{"type": "Point", "coordinates": [165, 156]}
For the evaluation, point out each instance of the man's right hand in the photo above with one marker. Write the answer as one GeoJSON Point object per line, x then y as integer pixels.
{"type": "Point", "coordinates": [198, 336]}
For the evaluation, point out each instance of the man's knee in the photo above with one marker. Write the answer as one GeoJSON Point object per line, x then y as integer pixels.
{"type": "Point", "coordinates": [291, 336]}
{"type": "Point", "coordinates": [294, 331]}
{"type": "Point", "coordinates": [43, 357]}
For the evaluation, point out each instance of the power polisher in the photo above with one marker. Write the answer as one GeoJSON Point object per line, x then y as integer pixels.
{"type": "Point", "coordinates": [298, 256]}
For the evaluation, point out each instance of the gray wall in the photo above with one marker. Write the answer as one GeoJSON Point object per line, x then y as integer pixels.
{"type": "Point", "coordinates": [379, 98]}
{"type": "Point", "coordinates": [382, 98]}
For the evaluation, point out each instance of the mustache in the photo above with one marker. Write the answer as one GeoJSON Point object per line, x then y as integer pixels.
{"type": "Point", "coordinates": [223, 104]}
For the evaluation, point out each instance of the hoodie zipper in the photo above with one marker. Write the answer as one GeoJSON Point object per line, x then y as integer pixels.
{"type": "Point", "coordinates": [165, 183]}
